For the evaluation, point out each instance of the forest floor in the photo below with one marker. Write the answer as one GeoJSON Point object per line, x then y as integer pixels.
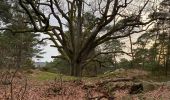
{"type": "Point", "coordinates": [115, 85]}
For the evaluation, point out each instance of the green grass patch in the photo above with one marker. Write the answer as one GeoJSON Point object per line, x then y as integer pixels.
{"type": "Point", "coordinates": [45, 76]}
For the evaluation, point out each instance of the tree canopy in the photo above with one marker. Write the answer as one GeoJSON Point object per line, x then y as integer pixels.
{"type": "Point", "coordinates": [77, 27]}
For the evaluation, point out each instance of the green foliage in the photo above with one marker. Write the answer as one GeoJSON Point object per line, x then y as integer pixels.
{"type": "Point", "coordinates": [151, 66]}
{"type": "Point", "coordinates": [18, 49]}
{"type": "Point", "coordinates": [89, 20]}
{"type": "Point", "coordinates": [58, 66]}
{"type": "Point", "coordinates": [124, 63]}
{"type": "Point", "coordinates": [28, 64]}
{"type": "Point", "coordinates": [92, 69]}
{"type": "Point", "coordinates": [110, 50]}
{"type": "Point", "coordinates": [156, 57]}
{"type": "Point", "coordinates": [5, 14]}
{"type": "Point", "coordinates": [96, 68]}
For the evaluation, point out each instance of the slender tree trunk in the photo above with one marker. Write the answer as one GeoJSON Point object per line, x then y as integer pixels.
{"type": "Point", "coordinates": [156, 56]}
{"type": "Point", "coordinates": [167, 56]}
{"type": "Point", "coordinates": [131, 50]}
{"type": "Point", "coordinates": [159, 56]}
{"type": "Point", "coordinates": [95, 70]}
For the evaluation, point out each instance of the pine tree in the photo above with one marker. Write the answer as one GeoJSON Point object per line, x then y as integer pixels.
{"type": "Point", "coordinates": [19, 49]}
{"type": "Point", "coordinates": [158, 36]}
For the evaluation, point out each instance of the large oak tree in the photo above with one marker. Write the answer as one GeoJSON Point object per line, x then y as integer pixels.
{"type": "Point", "coordinates": [75, 31]}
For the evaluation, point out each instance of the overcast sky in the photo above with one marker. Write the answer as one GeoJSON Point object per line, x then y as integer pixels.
{"type": "Point", "coordinates": [51, 51]}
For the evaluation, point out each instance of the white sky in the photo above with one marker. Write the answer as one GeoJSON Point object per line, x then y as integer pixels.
{"type": "Point", "coordinates": [49, 51]}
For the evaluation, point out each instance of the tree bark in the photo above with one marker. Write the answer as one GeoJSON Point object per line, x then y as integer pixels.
{"type": "Point", "coordinates": [76, 69]}
{"type": "Point", "coordinates": [167, 57]}
{"type": "Point", "coordinates": [72, 69]}
{"type": "Point", "coordinates": [131, 50]}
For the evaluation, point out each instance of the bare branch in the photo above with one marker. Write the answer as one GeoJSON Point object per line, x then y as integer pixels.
{"type": "Point", "coordinates": [61, 11]}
